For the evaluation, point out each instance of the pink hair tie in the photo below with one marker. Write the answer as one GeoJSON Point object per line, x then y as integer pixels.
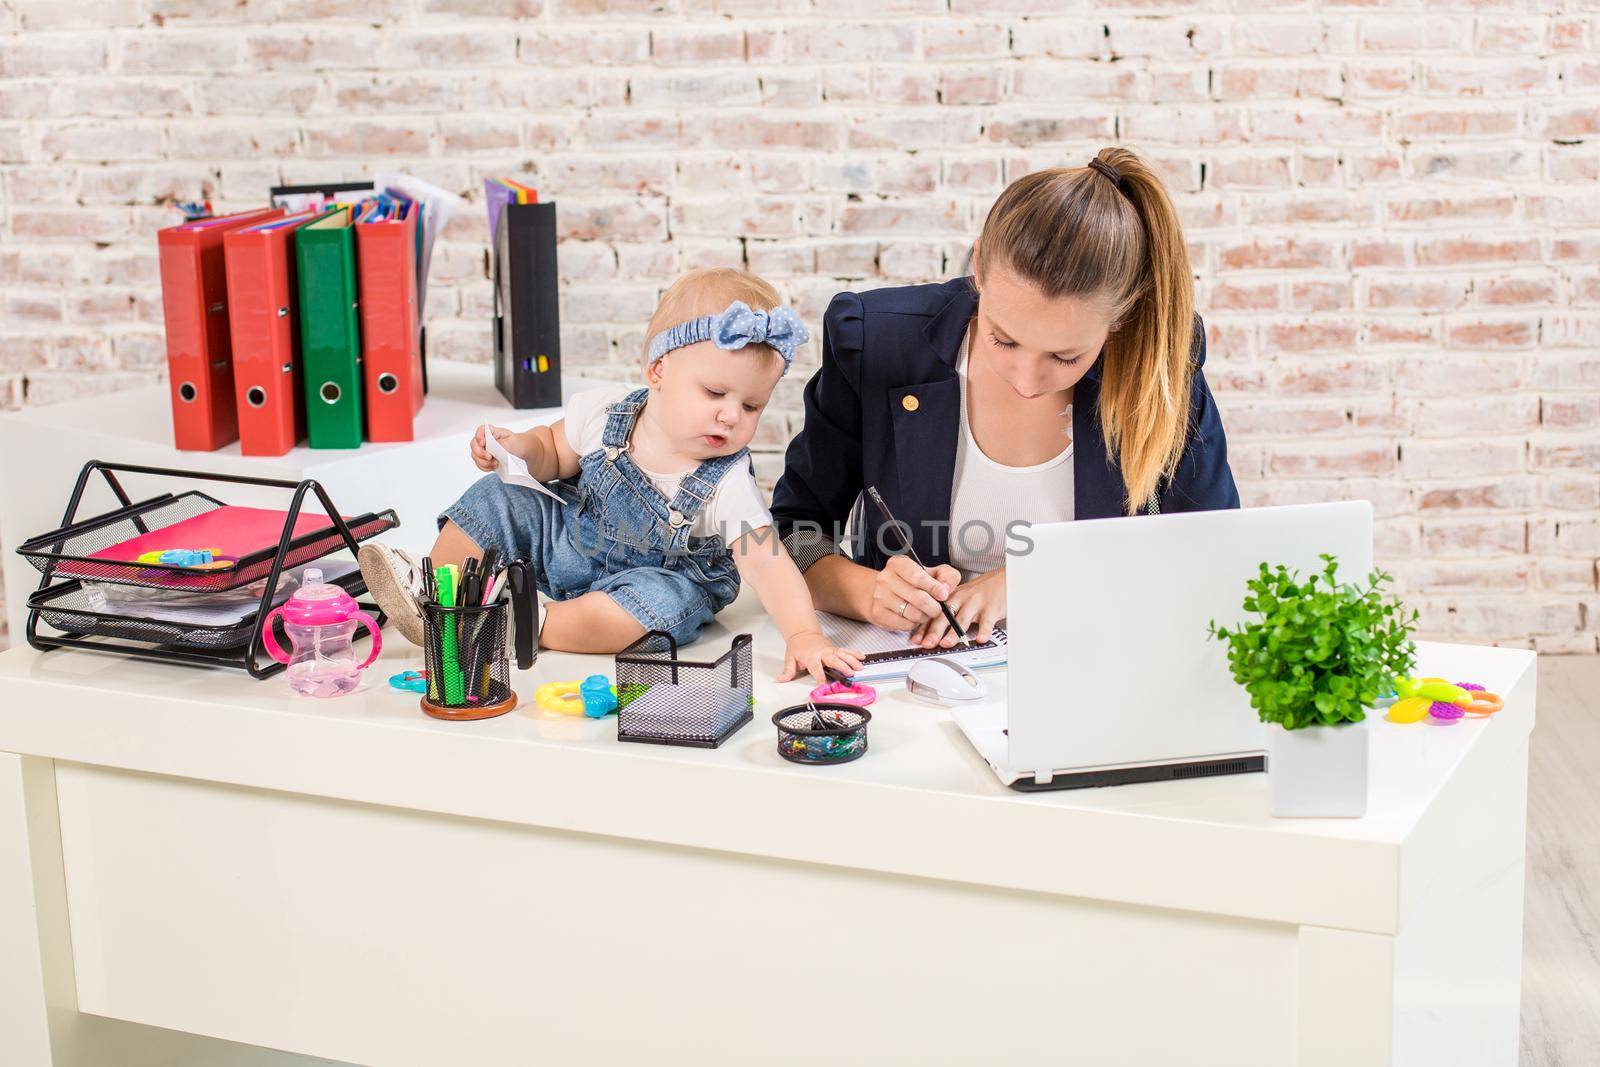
{"type": "Point", "coordinates": [854, 693]}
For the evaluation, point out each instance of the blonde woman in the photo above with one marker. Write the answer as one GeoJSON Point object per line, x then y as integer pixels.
{"type": "Point", "coordinates": [1060, 381]}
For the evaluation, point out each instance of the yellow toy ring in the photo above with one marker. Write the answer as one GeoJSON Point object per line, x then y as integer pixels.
{"type": "Point", "coordinates": [564, 698]}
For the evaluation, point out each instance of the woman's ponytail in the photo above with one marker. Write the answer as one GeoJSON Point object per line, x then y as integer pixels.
{"type": "Point", "coordinates": [1147, 372]}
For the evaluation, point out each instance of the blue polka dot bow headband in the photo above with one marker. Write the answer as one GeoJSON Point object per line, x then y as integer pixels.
{"type": "Point", "coordinates": [736, 327]}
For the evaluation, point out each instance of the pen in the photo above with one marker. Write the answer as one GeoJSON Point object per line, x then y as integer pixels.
{"type": "Point", "coordinates": [906, 549]}
{"type": "Point", "coordinates": [486, 574]}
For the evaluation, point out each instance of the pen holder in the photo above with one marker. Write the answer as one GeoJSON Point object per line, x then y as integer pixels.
{"type": "Point", "coordinates": [469, 672]}
{"type": "Point", "coordinates": [822, 733]}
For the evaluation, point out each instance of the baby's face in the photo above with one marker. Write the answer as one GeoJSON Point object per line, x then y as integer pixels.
{"type": "Point", "coordinates": [709, 401]}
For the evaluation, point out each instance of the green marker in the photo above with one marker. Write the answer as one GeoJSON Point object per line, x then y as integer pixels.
{"type": "Point", "coordinates": [449, 650]}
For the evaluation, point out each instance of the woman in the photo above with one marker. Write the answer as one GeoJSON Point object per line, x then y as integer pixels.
{"type": "Point", "coordinates": [1060, 381]}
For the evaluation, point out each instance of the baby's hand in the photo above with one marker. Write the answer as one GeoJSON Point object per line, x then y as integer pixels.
{"type": "Point", "coordinates": [811, 653]}
{"type": "Point", "coordinates": [480, 452]}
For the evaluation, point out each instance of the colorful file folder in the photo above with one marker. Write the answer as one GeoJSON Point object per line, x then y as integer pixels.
{"type": "Point", "coordinates": [330, 329]}
{"type": "Point", "coordinates": [498, 192]}
{"type": "Point", "coordinates": [194, 305]}
{"type": "Point", "coordinates": [262, 306]}
{"type": "Point", "coordinates": [386, 254]}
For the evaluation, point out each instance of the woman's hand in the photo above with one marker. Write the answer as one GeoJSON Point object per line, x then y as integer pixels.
{"type": "Point", "coordinates": [480, 452]}
{"type": "Point", "coordinates": [810, 652]}
{"type": "Point", "coordinates": [904, 596]}
{"type": "Point", "coordinates": [977, 605]}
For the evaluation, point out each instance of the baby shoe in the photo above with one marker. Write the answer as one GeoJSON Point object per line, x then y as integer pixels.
{"type": "Point", "coordinates": [395, 581]}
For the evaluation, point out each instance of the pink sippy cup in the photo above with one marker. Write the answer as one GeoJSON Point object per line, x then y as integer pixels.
{"type": "Point", "coordinates": [320, 620]}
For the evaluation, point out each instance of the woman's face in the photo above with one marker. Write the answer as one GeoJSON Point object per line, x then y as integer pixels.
{"type": "Point", "coordinates": [1035, 343]}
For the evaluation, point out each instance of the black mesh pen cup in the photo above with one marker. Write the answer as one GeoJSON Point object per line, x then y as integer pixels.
{"type": "Point", "coordinates": [469, 671]}
{"type": "Point", "coordinates": [822, 733]}
{"type": "Point", "coordinates": [664, 700]}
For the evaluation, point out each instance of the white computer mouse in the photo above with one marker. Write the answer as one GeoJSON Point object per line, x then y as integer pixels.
{"type": "Point", "coordinates": [945, 680]}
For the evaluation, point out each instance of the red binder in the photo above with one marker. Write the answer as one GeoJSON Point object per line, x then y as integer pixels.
{"type": "Point", "coordinates": [391, 349]}
{"type": "Point", "coordinates": [194, 303]}
{"type": "Point", "coordinates": [266, 340]}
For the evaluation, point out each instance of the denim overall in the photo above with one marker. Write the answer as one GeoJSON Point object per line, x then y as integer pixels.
{"type": "Point", "coordinates": [616, 533]}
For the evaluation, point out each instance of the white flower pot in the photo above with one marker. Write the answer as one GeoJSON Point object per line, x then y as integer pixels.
{"type": "Point", "coordinates": [1318, 771]}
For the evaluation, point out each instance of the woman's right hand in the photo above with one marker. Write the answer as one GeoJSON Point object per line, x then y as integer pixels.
{"type": "Point", "coordinates": [480, 452]}
{"type": "Point", "coordinates": [904, 596]}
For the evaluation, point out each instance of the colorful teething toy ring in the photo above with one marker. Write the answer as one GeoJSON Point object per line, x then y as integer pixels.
{"type": "Point", "coordinates": [411, 681]}
{"type": "Point", "coordinates": [562, 697]}
{"type": "Point", "coordinates": [1483, 703]}
{"type": "Point", "coordinates": [856, 694]}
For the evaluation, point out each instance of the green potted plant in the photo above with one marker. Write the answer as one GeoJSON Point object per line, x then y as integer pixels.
{"type": "Point", "coordinates": [1315, 656]}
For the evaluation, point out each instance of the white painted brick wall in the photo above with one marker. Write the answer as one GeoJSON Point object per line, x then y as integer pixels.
{"type": "Point", "coordinates": [1394, 208]}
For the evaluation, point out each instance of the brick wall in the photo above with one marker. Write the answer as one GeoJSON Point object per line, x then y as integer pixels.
{"type": "Point", "coordinates": [1394, 208]}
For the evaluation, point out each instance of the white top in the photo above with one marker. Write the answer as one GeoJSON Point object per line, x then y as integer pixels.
{"type": "Point", "coordinates": [736, 506]}
{"type": "Point", "coordinates": [987, 497]}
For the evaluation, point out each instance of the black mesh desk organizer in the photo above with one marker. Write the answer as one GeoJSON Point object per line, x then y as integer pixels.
{"type": "Point", "coordinates": [80, 619]}
{"type": "Point", "coordinates": [663, 700]}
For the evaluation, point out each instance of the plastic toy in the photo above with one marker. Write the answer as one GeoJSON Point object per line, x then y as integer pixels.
{"type": "Point", "coordinates": [856, 694]}
{"type": "Point", "coordinates": [599, 696]}
{"type": "Point", "coordinates": [1432, 688]}
{"type": "Point", "coordinates": [1482, 703]}
{"type": "Point", "coordinates": [595, 697]}
{"type": "Point", "coordinates": [1441, 701]}
{"type": "Point", "coordinates": [194, 558]}
{"type": "Point", "coordinates": [1410, 710]}
{"type": "Point", "coordinates": [562, 697]}
{"type": "Point", "coordinates": [410, 681]}
{"type": "Point", "coordinates": [1446, 712]}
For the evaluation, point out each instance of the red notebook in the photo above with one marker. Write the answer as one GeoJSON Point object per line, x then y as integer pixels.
{"type": "Point", "coordinates": [194, 305]}
{"type": "Point", "coordinates": [231, 533]}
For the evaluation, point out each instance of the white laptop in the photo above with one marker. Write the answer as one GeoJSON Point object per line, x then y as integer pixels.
{"type": "Point", "coordinates": [1112, 676]}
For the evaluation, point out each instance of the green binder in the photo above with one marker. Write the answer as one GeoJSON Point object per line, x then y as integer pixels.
{"type": "Point", "coordinates": [330, 330]}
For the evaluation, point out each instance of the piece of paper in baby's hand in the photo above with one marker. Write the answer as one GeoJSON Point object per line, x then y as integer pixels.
{"type": "Point", "coordinates": [513, 470]}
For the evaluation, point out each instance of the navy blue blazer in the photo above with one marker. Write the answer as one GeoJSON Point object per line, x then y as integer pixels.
{"type": "Point", "coordinates": [883, 346]}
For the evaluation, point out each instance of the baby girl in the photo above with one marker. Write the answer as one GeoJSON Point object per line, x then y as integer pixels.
{"type": "Point", "coordinates": [665, 517]}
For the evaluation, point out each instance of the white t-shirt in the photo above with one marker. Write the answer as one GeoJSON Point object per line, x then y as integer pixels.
{"type": "Point", "coordinates": [987, 497]}
{"type": "Point", "coordinates": [736, 506]}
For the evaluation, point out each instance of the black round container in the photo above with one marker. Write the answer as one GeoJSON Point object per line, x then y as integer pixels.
{"type": "Point", "coordinates": [822, 733]}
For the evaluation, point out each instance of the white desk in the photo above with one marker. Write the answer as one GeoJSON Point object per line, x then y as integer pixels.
{"type": "Point", "coordinates": [418, 478]}
{"type": "Point", "coordinates": [193, 850]}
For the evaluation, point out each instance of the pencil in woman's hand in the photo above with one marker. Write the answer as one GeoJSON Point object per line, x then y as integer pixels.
{"type": "Point", "coordinates": [907, 550]}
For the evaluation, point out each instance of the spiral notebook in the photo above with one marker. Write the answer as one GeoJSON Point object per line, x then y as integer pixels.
{"type": "Point", "coordinates": [887, 653]}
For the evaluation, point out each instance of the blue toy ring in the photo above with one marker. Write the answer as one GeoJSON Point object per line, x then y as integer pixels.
{"type": "Point", "coordinates": [412, 681]}
{"type": "Point", "coordinates": [599, 696]}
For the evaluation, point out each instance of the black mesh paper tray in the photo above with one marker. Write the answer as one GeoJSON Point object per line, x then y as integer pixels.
{"type": "Point", "coordinates": [69, 551]}
{"type": "Point", "coordinates": [67, 607]}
